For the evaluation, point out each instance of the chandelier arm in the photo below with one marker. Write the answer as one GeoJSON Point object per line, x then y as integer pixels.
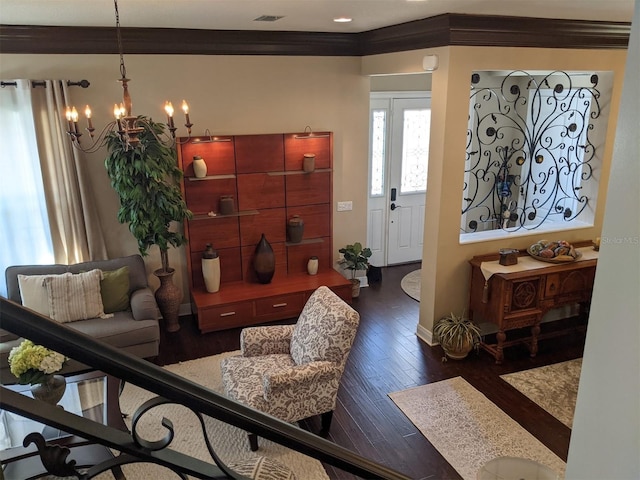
{"type": "Point", "coordinates": [127, 126]}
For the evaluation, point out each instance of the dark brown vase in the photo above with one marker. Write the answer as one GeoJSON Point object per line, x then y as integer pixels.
{"type": "Point", "coordinates": [295, 229]}
{"type": "Point", "coordinates": [264, 261]}
{"type": "Point", "coordinates": [168, 297]}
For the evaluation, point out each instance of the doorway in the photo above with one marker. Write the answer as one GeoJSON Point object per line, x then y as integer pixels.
{"type": "Point", "coordinates": [399, 127]}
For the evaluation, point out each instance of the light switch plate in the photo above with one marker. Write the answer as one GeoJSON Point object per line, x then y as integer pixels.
{"type": "Point", "coordinates": [345, 206]}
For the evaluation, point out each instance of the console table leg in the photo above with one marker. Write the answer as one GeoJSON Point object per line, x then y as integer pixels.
{"type": "Point", "coordinates": [535, 331]}
{"type": "Point", "coordinates": [500, 337]}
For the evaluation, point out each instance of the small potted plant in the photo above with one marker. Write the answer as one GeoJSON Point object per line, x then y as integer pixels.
{"type": "Point", "coordinates": [355, 258]}
{"type": "Point", "coordinates": [35, 365]}
{"type": "Point", "coordinates": [457, 335]}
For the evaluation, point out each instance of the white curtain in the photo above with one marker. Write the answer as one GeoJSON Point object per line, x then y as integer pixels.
{"type": "Point", "coordinates": [24, 226]}
{"type": "Point", "coordinates": [47, 213]}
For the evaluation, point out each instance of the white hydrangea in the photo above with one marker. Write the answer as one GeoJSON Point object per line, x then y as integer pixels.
{"type": "Point", "coordinates": [52, 363]}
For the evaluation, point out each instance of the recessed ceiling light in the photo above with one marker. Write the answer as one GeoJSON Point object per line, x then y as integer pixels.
{"type": "Point", "coordinates": [342, 19]}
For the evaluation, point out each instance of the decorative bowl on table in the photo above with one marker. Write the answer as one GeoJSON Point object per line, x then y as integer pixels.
{"type": "Point", "coordinates": [559, 251]}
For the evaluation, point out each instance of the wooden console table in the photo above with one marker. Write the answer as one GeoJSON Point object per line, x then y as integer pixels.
{"type": "Point", "coordinates": [518, 296]}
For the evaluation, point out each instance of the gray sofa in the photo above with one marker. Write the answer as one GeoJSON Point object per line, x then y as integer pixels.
{"type": "Point", "coordinates": [135, 331]}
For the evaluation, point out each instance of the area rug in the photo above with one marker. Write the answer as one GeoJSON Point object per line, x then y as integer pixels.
{"type": "Point", "coordinates": [467, 428]}
{"type": "Point", "coordinates": [229, 442]}
{"type": "Point", "coordinates": [410, 284]}
{"type": "Point", "coordinates": [552, 387]}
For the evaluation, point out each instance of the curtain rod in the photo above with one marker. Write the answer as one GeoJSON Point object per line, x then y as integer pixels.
{"type": "Point", "coordinates": [42, 83]}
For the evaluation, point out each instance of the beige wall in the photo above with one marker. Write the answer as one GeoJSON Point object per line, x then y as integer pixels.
{"type": "Point", "coordinates": [228, 95]}
{"type": "Point", "coordinates": [445, 269]}
{"type": "Point", "coordinates": [258, 94]}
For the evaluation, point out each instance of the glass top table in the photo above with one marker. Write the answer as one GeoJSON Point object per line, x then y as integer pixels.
{"type": "Point", "coordinates": [92, 395]}
{"type": "Point", "coordinates": [513, 468]}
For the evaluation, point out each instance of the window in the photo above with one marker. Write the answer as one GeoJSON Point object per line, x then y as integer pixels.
{"type": "Point", "coordinates": [378, 151]}
{"type": "Point", "coordinates": [24, 227]}
{"type": "Point", "coordinates": [534, 148]}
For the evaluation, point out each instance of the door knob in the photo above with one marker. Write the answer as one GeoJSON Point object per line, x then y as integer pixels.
{"type": "Point", "coordinates": [394, 206]}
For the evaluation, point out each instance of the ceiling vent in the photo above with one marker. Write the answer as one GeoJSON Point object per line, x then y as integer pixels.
{"type": "Point", "coordinates": [268, 18]}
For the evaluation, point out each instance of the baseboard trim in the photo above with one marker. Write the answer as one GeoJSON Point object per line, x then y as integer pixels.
{"type": "Point", "coordinates": [426, 336]}
{"type": "Point", "coordinates": [185, 310]}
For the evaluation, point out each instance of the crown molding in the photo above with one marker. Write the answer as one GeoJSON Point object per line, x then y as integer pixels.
{"type": "Point", "coordinates": [442, 30]}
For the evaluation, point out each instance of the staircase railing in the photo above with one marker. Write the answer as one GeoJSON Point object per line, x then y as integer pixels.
{"type": "Point", "coordinates": [170, 388]}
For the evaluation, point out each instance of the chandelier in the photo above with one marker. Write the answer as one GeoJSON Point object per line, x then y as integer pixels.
{"type": "Point", "coordinates": [126, 125]}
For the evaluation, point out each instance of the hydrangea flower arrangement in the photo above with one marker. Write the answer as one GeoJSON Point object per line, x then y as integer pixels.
{"type": "Point", "coordinates": [32, 364]}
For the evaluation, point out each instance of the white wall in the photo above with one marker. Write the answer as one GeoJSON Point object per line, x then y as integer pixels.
{"type": "Point", "coordinates": [228, 95]}
{"type": "Point", "coordinates": [605, 441]}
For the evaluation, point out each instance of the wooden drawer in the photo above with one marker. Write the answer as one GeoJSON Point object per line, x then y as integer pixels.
{"type": "Point", "coordinates": [520, 321]}
{"type": "Point", "coordinates": [225, 316]}
{"type": "Point", "coordinates": [280, 306]}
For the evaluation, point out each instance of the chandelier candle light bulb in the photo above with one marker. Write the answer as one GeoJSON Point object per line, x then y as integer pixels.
{"type": "Point", "coordinates": [168, 107]}
{"type": "Point", "coordinates": [87, 113]}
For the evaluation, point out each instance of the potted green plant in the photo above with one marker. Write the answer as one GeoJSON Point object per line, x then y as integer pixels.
{"type": "Point", "coordinates": [457, 335]}
{"type": "Point", "coordinates": [355, 258]}
{"type": "Point", "coordinates": [146, 178]}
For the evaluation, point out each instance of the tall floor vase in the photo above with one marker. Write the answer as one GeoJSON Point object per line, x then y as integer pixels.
{"type": "Point", "coordinates": [168, 297]}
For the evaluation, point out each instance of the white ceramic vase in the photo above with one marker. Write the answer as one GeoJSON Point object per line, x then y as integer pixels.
{"type": "Point", "coordinates": [211, 274]}
{"type": "Point", "coordinates": [312, 266]}
{"type": "Point", "coordinates": [199, 167]}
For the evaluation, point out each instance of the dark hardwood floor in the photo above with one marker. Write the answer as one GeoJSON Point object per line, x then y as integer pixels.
{"type": "Point", "coordinates": [387, 356]}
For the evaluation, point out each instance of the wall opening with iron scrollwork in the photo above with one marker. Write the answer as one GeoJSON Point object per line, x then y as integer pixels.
{"type": "Point", "coordinates": [534, 151]}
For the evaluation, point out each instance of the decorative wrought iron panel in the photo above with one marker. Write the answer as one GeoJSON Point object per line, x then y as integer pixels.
{"type": "Point", "coordinates": [530, 154]}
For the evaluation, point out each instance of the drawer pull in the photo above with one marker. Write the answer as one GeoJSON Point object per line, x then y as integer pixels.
{"type": "Point", "coordinates": [227, 314]}
{"type": "Point", "coordinates": [277, 305]}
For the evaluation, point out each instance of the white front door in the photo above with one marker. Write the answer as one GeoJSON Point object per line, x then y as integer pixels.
{"type": "Point", "coordinates": [399, 149]}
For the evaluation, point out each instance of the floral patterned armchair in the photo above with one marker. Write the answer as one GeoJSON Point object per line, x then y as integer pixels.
{"type": "Point", "coordinates": [293, 371]}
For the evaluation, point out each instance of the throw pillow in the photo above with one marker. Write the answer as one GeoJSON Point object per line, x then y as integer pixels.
{"type": "Point", "coordinates": [34, 293]}
{"type": "Point", "coordinates": [114, 289]}
{"type": "Point", "coordinates": [75, 297]}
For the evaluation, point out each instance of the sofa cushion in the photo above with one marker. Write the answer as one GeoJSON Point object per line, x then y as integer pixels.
{"type": "Point", "coordinates": [75, 297]}
{"type": "Point", "coordinates": [120, 331]}
{"type": "Point", "coordinates": [34, 293]}
{"type": "Point", "coordinates": [114, 289]}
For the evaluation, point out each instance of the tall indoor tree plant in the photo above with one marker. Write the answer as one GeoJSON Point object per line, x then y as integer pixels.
{"type": "Point", "coordinates": [146, 178]}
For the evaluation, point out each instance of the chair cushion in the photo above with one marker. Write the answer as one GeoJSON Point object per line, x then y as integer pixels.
{"type": "Point", "coordinates": [325, 329]}
{"type": "Point", "coordinates": [243, 377]}
{"type": "Point", "coordinates": [262, 468]}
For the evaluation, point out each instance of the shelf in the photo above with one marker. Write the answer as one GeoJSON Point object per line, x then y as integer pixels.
{"type": "Point", "coordinates": [211, 177]}
{"type": "Point", "coordinates": [244, 213]}
{"type": "Point", "coordinates": [305, 242]}
{"type": "Point", "coordinates": [298, 172]}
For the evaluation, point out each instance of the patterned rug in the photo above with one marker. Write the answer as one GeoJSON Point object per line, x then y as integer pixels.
{"type": "Point", "coordinates": [229, 442]}
{"type": "Point", "coordinates": [468, 429]}
{"type": "Point", "coordinates": [552, 387]}
{"type": "Point", "coordinates": [410, 284]}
